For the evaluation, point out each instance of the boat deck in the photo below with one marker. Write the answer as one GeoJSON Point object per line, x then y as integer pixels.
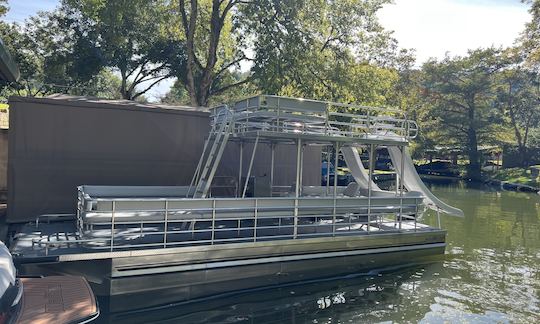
{"type": "Point", "coordinates": [57, 238]}
{"type": "Point", "coordinates": [56, 299]}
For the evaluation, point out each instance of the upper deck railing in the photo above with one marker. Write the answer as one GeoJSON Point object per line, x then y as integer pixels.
{"type": "Point", "coordinates": [304, 116]}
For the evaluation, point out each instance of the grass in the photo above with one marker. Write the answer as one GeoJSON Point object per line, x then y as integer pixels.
{"type": "Point", "coordinates": [516, 175]}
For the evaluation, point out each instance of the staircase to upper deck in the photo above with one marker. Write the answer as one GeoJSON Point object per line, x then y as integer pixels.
{"type": "Point", "coordinates": [212, 151]}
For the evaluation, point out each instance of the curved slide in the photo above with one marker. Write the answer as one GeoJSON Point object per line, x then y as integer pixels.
{"type": "Point", "coordinates": [412, 182]}
{"type": "Point", "coordinates": [354, 163]}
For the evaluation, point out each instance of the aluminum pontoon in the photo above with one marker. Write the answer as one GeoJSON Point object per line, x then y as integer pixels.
{"type": "Point", "coordinates": [220, 235]}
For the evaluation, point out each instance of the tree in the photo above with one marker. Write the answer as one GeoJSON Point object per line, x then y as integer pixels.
{"type": "Point", "coordinates": [211, 48]}
{"type": "Point", "coordinates": [3, 7]}
{"type": "Point", "coordinates": [128, 36]}
{"type": "Point", "coordinates": [48, 57]}
{"type": "Point", "coordinates": [334, 50]}
{"type": "Point", "coordinates": [459, 94]}
{"type": "Point", "coordinates": [530, 38]}
{"type": "Point", "coordinates": [295, 47]}
{"type": "Point", "coordinates": [518, 94]}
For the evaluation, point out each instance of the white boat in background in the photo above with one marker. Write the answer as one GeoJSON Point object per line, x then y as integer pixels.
{"type": "Point", "coordinates": [34, 300]}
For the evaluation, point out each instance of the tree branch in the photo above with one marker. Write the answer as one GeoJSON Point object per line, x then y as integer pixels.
{"type": "Point", "coordinates": [140, 93]}
{"type": "Point", "coordinates": [232, 85]}
{"type": "Point", "coordinates": [226, 67]}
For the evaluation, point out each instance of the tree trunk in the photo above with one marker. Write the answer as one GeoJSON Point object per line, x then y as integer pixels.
{"type": "Point", "coordinates": [520, 141]}
{"type": "Point", "coordinates": [474, 169]}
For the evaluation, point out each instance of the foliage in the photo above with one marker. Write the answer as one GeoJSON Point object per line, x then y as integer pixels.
{"type": "Point", "coordinates": [459, 94]}
{"type": "Point", "coordinates": [518, 98]}
{"type": "Point", "coordinates": [325, 50]}
{"type": "Point", "coordinates": [530, 39]}
{"type": "Point", "coordinates": [221, 50]}
{"type": "Point", "coordinates": [47, 56]}
{"type": "Point", "coordinates": [213, 47]}
{"type": "Point", "coordinates": [516, 175]}
{"type": "Point", "coordinates": [127, 36]}
{"type": "Point", "coordinates": [3, 7]}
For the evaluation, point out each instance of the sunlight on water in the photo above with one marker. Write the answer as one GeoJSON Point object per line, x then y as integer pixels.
{"type": "Point", "coordinates": [490, 273]}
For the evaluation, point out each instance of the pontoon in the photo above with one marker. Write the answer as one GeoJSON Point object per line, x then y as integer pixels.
{"type": "Point", "coordinates": [225, 233]}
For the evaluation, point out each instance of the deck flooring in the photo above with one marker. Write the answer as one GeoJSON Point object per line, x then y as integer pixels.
{"type": "Point", "coordinates": [63, 235]}
{"type": "Point", "coordinates": [56, 299]}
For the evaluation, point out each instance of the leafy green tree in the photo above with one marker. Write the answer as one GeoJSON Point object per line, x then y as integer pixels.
{"type": "Point", "coordinates": [48, 57]}
{"type": "Point", "coordinates": [213, 47]}
{"type": "Point", "coordinates": [518, 94]}
{"type": "Point", "coordinates": [530, 38]}
{"type": "Point", "coordinates": [333, 50]}
{"type": "Point", "coordinates": [128, 36]}
{"type": "Point", "coordinates": [459, 94]}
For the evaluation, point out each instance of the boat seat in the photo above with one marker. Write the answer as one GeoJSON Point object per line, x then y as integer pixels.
{"type": "Point", "coordinates": [352, 189]}
{"type": "Point", "coordinates": [186, 211]}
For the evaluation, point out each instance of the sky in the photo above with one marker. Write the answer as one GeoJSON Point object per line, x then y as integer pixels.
{"type": "Point", "coordinates": [433, 27]}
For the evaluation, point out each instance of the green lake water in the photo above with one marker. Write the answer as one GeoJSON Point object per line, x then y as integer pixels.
{"type": "Point", "coordinates": [490, 273]}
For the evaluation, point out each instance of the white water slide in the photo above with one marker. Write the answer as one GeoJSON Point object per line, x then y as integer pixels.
{"type": "Point", "coordinates": [411, 179]}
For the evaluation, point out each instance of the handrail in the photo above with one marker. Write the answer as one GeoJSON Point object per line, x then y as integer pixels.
{"type": "Point", "coordinates": [162, 233]}
{"type": "Point", "coordinates": [291, 115]}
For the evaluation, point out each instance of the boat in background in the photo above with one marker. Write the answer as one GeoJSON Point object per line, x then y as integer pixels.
{"type": "Point", "coordinates": [54, 299]}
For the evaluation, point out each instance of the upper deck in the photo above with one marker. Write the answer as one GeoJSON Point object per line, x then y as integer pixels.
{"type": "Point", "coordinates": [282, 119]}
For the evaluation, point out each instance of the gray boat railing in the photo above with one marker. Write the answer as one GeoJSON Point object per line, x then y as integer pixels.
{"type": "Point", "coordinates": [252, 220]}
{"type": "Point", "coordinates": [124, 226]}
{"type": "Point", "coordinates": [293, 115]}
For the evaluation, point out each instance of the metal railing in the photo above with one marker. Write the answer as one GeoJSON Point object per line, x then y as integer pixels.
{"type": "Point", "coordinates": [214, 221]}
{"type": "Point", "coordinates": [302, 116]}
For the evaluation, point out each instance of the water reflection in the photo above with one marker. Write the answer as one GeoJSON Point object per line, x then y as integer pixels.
{"type": "Point", "coordinates": [493, 256]}
{"type": "Point", "coordinates": [362, 297]}
{"type": "Point", "coordinates": [490, 273]}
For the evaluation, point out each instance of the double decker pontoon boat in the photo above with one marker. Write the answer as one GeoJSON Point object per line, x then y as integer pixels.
{"type": "Point", "coordinates": [209, 238]}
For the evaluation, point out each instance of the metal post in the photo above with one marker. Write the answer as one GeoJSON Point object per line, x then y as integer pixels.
{"type": "Point", "coordinates": [272, 161]}
{"type": "Point", "coordinates": [439, 217]}
{"type": "Point", "coordinates": [370, 180]}
{"type": "Point", "coordinates": [401, 185]}
{"type": "Point", "coordinates": [240, 168]}
{"type": "Point", "coordinates": [415, 212]}
{"type": "Point", "coordinates": [336, 160]}
{"type": "Point", "coordinates": [213, 220]}
{"type": "Point", "coordinates": [112, 224]}
{"type": "Point", "coordinates": [328, 169]}
{"type": "Point", "coordinates": [301, 169]}
{"type": "Point", "coordinates": [250, 166]}
{"type": "Point", "coordinates": [165, 228]}
{"type": "Point", "coordinates": [278, 113]}
{"type": "Point", "coordinates": [255, 222]}
{"type": "Point", "coordinates": [297, 186]}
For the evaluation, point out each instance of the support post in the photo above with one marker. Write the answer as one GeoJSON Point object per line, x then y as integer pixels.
{"type": "Point", "coordinates": [213, 220]}
{"type": "Point", "coordinates": [166, 225]}
{"type": "Point", "coordinates": [250, 166]}
{"type": "Point", "coordinates": [240, 168]}
{"type": "Point", "coordinates": [302, 148]}
{"type": "Point", "coordinates": [255, 221]}
{"type": "Point", "coordinates": [272, 164]}
{"type": "Point", "coordinates": [370, 180]}
{"type": "Point", "coordinates": [402, 167]}
{"type": "Point", "coordinates": [297, 186]}
{"type": "Point", "coordinates": [112, 224]}
{"type": "Point", "coordinates": [336, 161]}
{"type": "Point", "coordinates": [328, 150]}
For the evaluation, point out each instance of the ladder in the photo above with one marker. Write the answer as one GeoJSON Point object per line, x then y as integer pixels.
{"type": "Point", "coordinates": [218, 139]}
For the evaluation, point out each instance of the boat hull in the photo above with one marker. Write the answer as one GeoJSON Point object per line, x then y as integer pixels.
{"type": "Point", "coordinates": [169, 275]}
